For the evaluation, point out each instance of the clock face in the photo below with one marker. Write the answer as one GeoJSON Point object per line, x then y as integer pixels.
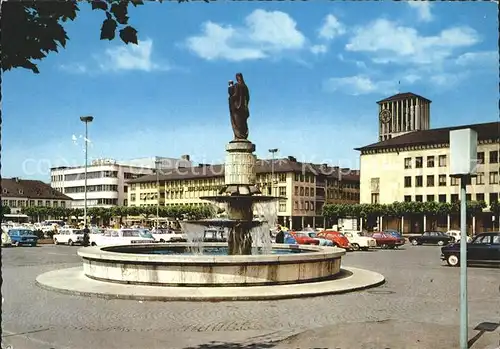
{"type": "Point", "coordinates": [385, 116]}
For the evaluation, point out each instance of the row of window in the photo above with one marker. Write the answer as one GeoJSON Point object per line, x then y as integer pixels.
{"type": "Point", "coordinates": [430, 160]}
{"type": "Point", "coordinates": [25, 203]}
{"type": "Point", "coordinates": [453, 197]}
{"type": "Point", "coordinates": [443, 181]}
{"type": "Point", "coordinates": [91, 188]}
{"type": "Point", "coordinates": [94, 202]}
{"type": "Point", "coordinates": [81, 176]}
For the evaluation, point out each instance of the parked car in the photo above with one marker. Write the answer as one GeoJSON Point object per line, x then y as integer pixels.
{"type": "Point", "coordinates": [23, 237]}
{"type": "Point", "coordinates": [394, 233]}
{"type": "Point", "coordinates": [322, 241]}
{"type": "Point", "coordinates": [214, 235]}
{"type": "Point", "coordinates": [483, 249]}
{"type": "Point", "coordinates": [336, 237]}
{"type": "Point", "coordinates": [68, 236]}
{"type": "Point", "coordinates": [168, 235]}
{"type": "Point", "coordinates": [6, 240]}
{"type": "Point", "coordinates": [120, 237]}
{"type": "Point", "coordinates": [289, 239]}
{"type": "Point", "coordinates": [432, 237]}
{"type": "Point", "coordinates": [358, 241]}
{"type": "Point", "coordinates": [387, 240]}
{"type": "Point", "coordinates": [303, 238]}
{"type": "Point", "coordinates": [457, 235]}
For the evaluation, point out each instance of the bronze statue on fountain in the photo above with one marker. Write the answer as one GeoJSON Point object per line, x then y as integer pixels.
{"type": "Point", "coordinates": [240, 192]}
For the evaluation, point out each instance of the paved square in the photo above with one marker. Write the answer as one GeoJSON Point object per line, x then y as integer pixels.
{"type": "Point", "coordinates": [417, 307]}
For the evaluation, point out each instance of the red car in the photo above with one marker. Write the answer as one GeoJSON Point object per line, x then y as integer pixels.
{"type": "Point", "coordinates": [336, 237]}
{"type": "Point", "coordinates": [387, 241]}
{"type": "Point", "coordinates": [304, 239]}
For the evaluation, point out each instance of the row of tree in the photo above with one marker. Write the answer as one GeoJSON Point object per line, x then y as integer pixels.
{"type": "Point", "coordinates": [120, 212]}
{"type": "Point", "coordinates": [399, 209]}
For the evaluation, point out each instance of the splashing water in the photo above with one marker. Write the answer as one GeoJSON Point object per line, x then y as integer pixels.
{"type": "Point", "coordinates": [194, 234]}
{"type": "Point", "coordinates": [268, 213]}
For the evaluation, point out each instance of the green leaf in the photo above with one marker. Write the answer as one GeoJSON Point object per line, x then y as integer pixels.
{"type": "Point", "coordinates": [98, 4]}
{"type": "Point", "coordinates": [128, 35]}
{"type": "Point", "coordinates": [137, 2]}
{"type": "Point", "coordinates": [108, 29]}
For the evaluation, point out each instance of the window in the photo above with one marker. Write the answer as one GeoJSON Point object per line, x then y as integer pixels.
{"type": "Point", "coordinates": [430, 161]}
{"type": "Point", "coordinates": [132, 197]}
{"type": "Point", "coordinates": [442, 180]}
{"type": "Point", "coordinates": [454, 181]}
{"type": "Point", "coordinates": [307, 205]}
{"type": "Point", "coordinates": [479, 197]}
{"type": "Point", "coordinates": [430, 197]}
{"type": "Point", "coordinates": [282, 206]}
{"type": "Point", "coordinates": [468, 197]}
{"type": "Point", "coordinates": [442, 160]}
{"type": "Point", "coordinates": [282, 191]}
{"type": "Point", "coordinates": [442, 198]}
{"type": "Point", "coordinates": [485, 239]}
{"type": "Point", "coordinates": [479, 178]}
{"type": "Point", "coordinates": [282, 177]}
{"type": "Point", "coordinates": [494, 177]}
{"type": "Point", "coordinates": [375, 198]}
{"type": "Point", "coordinates": [407, 181]}
{"type": "Point", "coordinates": [418, 198]}
{"type": "Point", "coordinates": [296, 191]}
{"type": "Point", "coordinates": [296, 205]}
{"type": "Point", "coordinates": [418, 162]}
{"type": "Point", "coordinates": [301, 191]}
{"type": "Point", "coordinates": [454, 198]}
{"type": "Point", "coordinates": [493, 197]}
{"type": "Point", "coordinates": [407, 198]}
{"type": "Point", "coordinates": [419, 181]}
{"type": "Point", "coordinates": [307, 191]}
{"type": "Point", "coordinates": [494, 157]}
{"type": "Point", "coordinates": [407, 163]}
{"type": "Point", "coordinates": [480, 157]}
{"type": "Point", "coordinates": [430, 180]}
{"type": "Point", "coordinates": [311, 206]}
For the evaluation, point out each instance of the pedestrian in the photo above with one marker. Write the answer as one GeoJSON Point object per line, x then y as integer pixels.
{"type": "Point", "coordinates": [280, 236]}
{"type": "Point", "coordinates": [86, 237]}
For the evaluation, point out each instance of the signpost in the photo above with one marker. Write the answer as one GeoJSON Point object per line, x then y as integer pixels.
{"type": "Point", "coordinates": [463, 165]}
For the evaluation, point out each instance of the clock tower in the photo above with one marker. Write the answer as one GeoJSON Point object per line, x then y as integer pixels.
{"type": "Point", "coordinates": [403, 113]}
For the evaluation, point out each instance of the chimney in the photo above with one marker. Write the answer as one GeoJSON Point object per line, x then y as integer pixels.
{"type": "Point", "coordinates": [186, 157]}
{"type": "Point", "coordinates": [16, 179]}
{"type": "Point", "coordinates": [292, 159]}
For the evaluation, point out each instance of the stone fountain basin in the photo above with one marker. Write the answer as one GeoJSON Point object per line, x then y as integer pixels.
{"type": "Point", "coordinates": [313, 264]}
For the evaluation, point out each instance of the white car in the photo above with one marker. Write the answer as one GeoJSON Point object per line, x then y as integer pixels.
{"type": "Point", "coordinates": [6, 240]}
{"type": "Point", "coordinates": [322, 242]}
{"type": "Point", "coordinates": [121, 237]}
{"type": "Point", "coordinates": [68, 236]}
{"type": "Point", "coordinates": [456, 234]}
{"type": "Point", "coordinates": [358, 241]}
{"type": "Point", "coordinates": [166, 235]}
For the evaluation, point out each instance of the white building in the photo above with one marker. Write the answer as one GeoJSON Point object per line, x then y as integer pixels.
{"type": "Point", "coordinates": [106, 179]}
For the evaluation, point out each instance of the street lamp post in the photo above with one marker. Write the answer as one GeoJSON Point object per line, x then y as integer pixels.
{"type": "Point", "coordinates": [157, 166]}
{"type": "Point", "coordinates": [86, 120]}
{"type": "Point", "coordinates": [272, 151]}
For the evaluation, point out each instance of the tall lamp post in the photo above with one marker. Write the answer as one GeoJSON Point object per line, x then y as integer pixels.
{"type": "Point", "coordinates": [157, 166]}
{"type": "Point", "coordinates": [86, 119]}
{"type": "Point", "coordinates": [273, 151]}
{"type": "Point", "coordinates": [463, 165]}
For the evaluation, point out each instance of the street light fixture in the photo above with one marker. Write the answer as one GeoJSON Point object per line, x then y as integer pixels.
{"type": "Point", "coordinates": [86, 119]}
{"type": "Point", "coordinates": [157, 166]}
{"type": "Point", "coordinates": [273, 151]}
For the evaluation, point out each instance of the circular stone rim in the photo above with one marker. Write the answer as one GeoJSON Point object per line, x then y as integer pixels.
{"type": "Point", "coordinates": [72, 281]}
{"type": "Point", "coordinates": [317, 253]}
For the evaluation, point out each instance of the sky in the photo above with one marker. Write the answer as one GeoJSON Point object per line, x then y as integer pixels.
{"type": "Point", "coordinates": [314, 69]}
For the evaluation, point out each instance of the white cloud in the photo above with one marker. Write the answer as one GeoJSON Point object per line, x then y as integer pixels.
{"type": "Point", "coordinates": [360, 85]}
{"type": "Point", "coordinates": [318, 49]}
{"type": "Point", "coordinates": [264, 34]}
{"type": "Point", "coordinates": [331, 28]}
{"type": "Point", "coordinates": [130, 57]}
{"type": "Point", "coordinates": [423, 9]}
{"type": "Point", "coordinates": [448, 80]}
{"type": "Point", "coordinates": [389, 42]}
{"type": "Point", "coordinates": [74, 68]}
{"type": "Point", "coordinates": [479, 58]}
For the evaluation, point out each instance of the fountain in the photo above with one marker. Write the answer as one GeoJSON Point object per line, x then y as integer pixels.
{"type": "Point", "coordinates": [242, 269]}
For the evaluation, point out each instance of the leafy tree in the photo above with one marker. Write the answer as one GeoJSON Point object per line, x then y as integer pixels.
{"type": "Point", "coordinates": [31, 29]}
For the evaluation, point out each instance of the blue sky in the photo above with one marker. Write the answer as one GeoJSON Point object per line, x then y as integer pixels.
{"type": "Point", "coordinates": [314, 69]}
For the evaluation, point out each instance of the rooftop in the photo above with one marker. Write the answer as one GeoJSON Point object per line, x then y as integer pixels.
{"type": "Point", "coordinates": [486, 131]}
{"type": "Point", "coordinates": [30, 189]}
{"type": "Point", "coordinates": [284, 165]}
{"type": "Point", "coordinates": [403, 95]}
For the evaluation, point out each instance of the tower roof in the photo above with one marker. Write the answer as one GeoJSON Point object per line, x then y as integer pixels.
{"type": "Point", "coordinates": [401, 96]}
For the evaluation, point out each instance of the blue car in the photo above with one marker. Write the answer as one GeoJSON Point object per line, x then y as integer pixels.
{"type": "Point", "coordinates": [289, 239]}
{"type": "Point", "coordinates": [23, 237]}
{"type": "Point", "coordinates": [394, 233]}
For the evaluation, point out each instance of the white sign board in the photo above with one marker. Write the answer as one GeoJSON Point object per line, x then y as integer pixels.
{"type": "Point", "coordinates": [463, 152]}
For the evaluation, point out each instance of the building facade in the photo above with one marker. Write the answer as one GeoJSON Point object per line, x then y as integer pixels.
{"type": "Point", "coordinates": [305, 188]}
{"type": "Point", "coordinates": [18, 193]}
{"type": "Point", "coordinates": [414, 166]}
{"type": "Point", "coordinates": [106, 179]}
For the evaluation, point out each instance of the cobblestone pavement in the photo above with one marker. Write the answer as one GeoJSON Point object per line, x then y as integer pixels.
{"type": "Point", "coordinates": [419, 288]}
